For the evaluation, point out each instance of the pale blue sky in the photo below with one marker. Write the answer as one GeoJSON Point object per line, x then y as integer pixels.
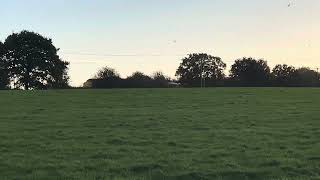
{"type": "Point", "coordinates": [158, 33]}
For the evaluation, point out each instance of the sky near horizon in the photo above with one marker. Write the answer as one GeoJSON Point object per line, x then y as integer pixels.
{"type": "Point", "coordinates": [152, 35]}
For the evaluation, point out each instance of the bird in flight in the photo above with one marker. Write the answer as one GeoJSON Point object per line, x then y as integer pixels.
{"type": "Point", "coordinates": [291, 3]}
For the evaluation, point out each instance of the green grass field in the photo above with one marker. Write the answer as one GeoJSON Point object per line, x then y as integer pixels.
{"type": "Point", "coordinates": [223, 133]}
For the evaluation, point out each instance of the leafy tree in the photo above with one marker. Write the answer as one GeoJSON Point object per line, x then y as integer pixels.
{"type": "Point", "coordinates": [34, 62]}
{"type": "Point", "coordinates": [2, 50]}
{"type": "Point", "coordinates": [4, 74]}
{"type": "Point", "coordinates": [283, 75]}
{"type": "Point", "coordinates": [139, 80]}
{"type": "Point", "coordinates": [196, 67]}
{"type": "Point", "coordinates": [139, 76]}
{"type": "Point", "coordinates": [160, 80]}
{"type": "Point", "coordinates": [107, 73]}
{"type": "Point", "coordinates": [306, 77]}
{"type": "Point", "coordinates": [250, 72]}
{"type": "Point", "coordinates": [159, 76]}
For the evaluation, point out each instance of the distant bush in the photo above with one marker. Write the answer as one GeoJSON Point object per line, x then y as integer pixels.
{"type": "Point", "coordinates": [108, 78]}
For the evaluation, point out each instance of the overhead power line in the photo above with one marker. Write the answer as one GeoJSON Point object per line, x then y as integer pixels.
{"type": "Point", "coordinates": [120, 55]}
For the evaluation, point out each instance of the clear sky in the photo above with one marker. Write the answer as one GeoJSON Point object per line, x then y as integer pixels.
{"type": "Point", "coordinates": [151, 35]}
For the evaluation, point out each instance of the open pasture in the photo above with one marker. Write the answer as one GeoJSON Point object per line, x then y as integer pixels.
{"type": "Point", "coordinates": [215, 133]}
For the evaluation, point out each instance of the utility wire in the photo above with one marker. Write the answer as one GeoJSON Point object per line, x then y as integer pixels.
{"type": "Point", "coordinates": [121, 55]}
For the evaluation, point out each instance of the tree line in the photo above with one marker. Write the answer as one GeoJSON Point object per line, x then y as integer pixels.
{"type": "Point", "coordinates": [203, 70]}
{"type": "Point", "coordinates": [110, 78]}
{"type": "Point", "coordinates": [29, 60]}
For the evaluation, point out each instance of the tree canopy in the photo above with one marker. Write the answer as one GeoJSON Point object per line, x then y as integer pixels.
{"type": "Point", "coordinates": [107, 73]}
{"type": "Point", "coordinates": [4, 74]}
{"type": "Point", "coordinates": [33, 62]}
{"type": "Point", "coordinates": [159, 76]}
{"type": "Point", "coordinates": [306, 77]}
{"type": "Point", "coordinates": [2, 50]}
{"type": "Point", "coordinates": [250, 72]}
{"type": "Point", "coordinates": [139, 76]}
{"type": "Point", "coordinates": [283, 74]}
{"type": "Point", "coordinates": [197, 67]}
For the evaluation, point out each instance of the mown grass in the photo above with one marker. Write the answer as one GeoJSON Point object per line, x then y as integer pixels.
{"type": "Point", "coordinates": [222, 133]}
